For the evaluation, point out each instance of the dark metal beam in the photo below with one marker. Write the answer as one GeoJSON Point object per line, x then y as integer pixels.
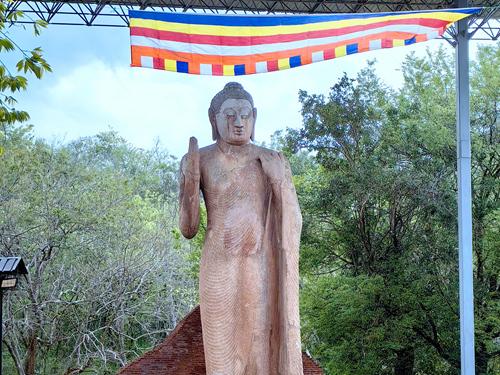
{"type": "Point", "coordinates": [114, 13]}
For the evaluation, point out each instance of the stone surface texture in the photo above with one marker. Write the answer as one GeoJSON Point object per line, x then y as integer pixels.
{"type": "Point", "coordinates": [182, 353]}
{"type": "Point", "coordinates": [249, 282]}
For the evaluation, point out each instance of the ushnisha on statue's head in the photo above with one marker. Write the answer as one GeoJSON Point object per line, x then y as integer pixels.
{"type": "Point", "coordinates": [232, 115]}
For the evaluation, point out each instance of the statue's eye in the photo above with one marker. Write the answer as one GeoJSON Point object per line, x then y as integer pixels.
{"type": "Point", "coordinates": [245, 114]}
{"type": "Point", "coordinates": [231, 114]}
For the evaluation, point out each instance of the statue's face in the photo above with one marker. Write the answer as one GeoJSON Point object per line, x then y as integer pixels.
{"type": "Point", "coordinates": [235, 121]}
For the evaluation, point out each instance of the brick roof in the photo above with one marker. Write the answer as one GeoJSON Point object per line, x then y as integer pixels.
{"type": "Point", "coordinates": [182, 353]}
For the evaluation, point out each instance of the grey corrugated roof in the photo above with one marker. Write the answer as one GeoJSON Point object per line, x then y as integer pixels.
{"type": "Point", "coordinates": [12, 265]}
{"type": "Point", "coordinates": [282, 6]}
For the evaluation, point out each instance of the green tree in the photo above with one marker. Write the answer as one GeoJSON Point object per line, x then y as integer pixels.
{"type": "Point", "coordinates": [106, 281]}
{"type": "Point", "coordinates": [30, 62]}
{"type": "Point", "coordinates": [485, 139]}
{"type": "Point", "coordinates": [379, 245]}
{"type": "Point", "coordinates": [368, 252]}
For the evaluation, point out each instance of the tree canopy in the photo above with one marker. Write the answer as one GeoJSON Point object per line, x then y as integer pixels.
{"type": "Point", "coordinates": [95, 222]}
{"type": "Point", "coordinates": [379, 251]}
{"type": "Point", "coordinates": [30, 62]}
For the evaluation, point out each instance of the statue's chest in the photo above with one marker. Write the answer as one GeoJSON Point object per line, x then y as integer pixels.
{"type": "Point", "coordinates": [234, 179]}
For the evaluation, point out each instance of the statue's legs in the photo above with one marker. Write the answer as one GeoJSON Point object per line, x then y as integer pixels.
{"type": "Point", "coordinates": [235, 315]}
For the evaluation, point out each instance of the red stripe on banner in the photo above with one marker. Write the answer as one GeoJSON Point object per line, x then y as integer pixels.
{"type": "Point", "coordinates": [272, 66]}
{"type": "Point", "coordinates": [386, 43]}
{"type": "Point", "coordinates": [158, 63]}
{"type": "Point", "coordinates": [329, 54]}
{"type": "Point", "coordinates": [216, 70]}
{"type": "Point", "coordinates": [281, 38]}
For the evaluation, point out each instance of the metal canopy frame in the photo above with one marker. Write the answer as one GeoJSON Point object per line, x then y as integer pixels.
{"type": "Point", "coordinates": [114, 13]}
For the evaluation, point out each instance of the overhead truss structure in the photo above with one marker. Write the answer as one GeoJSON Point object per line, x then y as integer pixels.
{"type": "Point", "coordinates": [484, 26]}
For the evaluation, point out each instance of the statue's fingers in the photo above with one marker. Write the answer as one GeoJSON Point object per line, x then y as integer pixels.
{"type": "Point", "coordinates": [275, 156]}
{"type": "Point", "coordinates": [193, 145]}
{"type": "Point", "coordinates": [193, 152]}
{"type": "Point", "coordinates": [265, 158]}
{"type": "Point", "coordinates": [282, 157]}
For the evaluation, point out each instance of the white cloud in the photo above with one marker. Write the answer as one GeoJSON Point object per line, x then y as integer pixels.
{"type": "Point", "coordinates": [141, 104]}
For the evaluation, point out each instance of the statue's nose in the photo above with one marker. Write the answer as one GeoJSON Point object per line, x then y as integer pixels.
{"type": "Point", "coordinates": [238, 122]}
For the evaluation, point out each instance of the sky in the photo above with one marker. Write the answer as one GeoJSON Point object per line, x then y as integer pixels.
{"type": "Point", "coordinates": [92, 88]}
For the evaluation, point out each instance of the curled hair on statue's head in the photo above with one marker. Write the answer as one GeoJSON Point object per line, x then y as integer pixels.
{"type": "Point", "coordinates": [232, 90]}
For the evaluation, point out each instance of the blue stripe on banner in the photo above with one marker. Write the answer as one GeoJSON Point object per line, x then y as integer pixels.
{"type": "Point", "coordinates": [239, 70]}
{"type": "Point", "coordinates": [295, 61]}
{"type": "Point", "coordinates": [410, 41]}
{"type": "Point", "coordinates": [351, 48]}
{"type": "Point", "coordinates": [242, 20]}
{"type": "Point", "coordinates": [182, 67]}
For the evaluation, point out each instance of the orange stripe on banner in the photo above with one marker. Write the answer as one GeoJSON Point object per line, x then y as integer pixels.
{"type": "Point", "coordinates": [420, 38]}
{"type": "Point", "coordinates": [194, 68]}
{"type": "Point", "coordinates": [250, 68]}
{"type": "Point", "coordinates": [306, 58]}
{"type": "Point", "coordinates": [363, 45]}
{"type": "Point", "coordinates": [136, 57]}
{"type": "Point", "coordinates": [250, 60]}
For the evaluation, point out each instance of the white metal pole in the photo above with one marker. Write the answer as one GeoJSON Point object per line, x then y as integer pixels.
{"type": "Point", "coordinates": [464, 197]}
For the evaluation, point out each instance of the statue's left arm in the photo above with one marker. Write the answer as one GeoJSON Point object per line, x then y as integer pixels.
{"type": "Point", "coordinates": [288, 222]}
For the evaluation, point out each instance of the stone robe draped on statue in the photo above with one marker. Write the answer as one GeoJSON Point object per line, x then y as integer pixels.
{"type": "Point", "coordinates": [249, 281]}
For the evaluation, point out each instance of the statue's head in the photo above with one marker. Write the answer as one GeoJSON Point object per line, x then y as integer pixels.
{"type": "Point", "coordinates": [232, 115]}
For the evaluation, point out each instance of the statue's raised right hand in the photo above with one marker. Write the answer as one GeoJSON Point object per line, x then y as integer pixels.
{"type": "Point", "coordinates": [189, 192]}
{"type": "Point", "coordinates": [192, 171]}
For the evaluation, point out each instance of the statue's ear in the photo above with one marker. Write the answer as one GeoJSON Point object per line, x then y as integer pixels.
{"type": "Point", "coordinates": [252, 137]}
{"type": "Point", "coordinates": [213, 122]}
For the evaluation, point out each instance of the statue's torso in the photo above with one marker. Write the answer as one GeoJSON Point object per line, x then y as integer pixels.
{"type": "Point", "coordinates": [234, 274]}
{"type": "Point", "coordinates": [236, 194]}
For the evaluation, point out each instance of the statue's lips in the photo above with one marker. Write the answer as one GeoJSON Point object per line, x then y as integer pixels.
{"type": "Point", "coordinates": [239, 132]}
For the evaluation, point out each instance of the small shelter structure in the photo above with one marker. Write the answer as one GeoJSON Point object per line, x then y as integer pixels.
{"type": "Point", "coordinates": [10, 269]}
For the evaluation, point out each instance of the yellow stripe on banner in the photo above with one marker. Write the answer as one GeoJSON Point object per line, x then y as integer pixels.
{"type": "Point", "coordinates": [171, 65]}
{"type": "Point", "coordinates": [398, 42]}
{"type": "Point", "coordinates": [340, 51]}
{"type": "Point", "coordinates": [283, 64]}
{"type": "Point", "coordinates": [277, 30]}
{"type": "Point", "coordinates": [228, 70]}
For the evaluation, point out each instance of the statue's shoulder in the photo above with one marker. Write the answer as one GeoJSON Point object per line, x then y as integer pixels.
{"type": "Point", "coordinates": [208, 155]}
{"type": "Point", "coordinates": [262, 150]}
{"type": "Point", "coordinates": [208, 151]}
{"type": "Point", "coordinates": [258, 150]}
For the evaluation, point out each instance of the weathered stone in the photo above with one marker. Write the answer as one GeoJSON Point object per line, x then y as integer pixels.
{"type": "Point", "coordinates": [249, 262]}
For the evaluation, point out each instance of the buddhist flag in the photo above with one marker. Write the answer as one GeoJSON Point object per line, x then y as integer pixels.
{"type": "Point", "coordinates": [238, 44]}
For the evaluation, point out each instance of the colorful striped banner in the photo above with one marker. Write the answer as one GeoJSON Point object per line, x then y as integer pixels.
{"type": "Point", "coordinates": [232, 45]}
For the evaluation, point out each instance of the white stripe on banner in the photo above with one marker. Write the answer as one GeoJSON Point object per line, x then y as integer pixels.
{"type": "Point", "coordinates": [261, 67]}
{"type": "Point", "coordinates": [206, 69]}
